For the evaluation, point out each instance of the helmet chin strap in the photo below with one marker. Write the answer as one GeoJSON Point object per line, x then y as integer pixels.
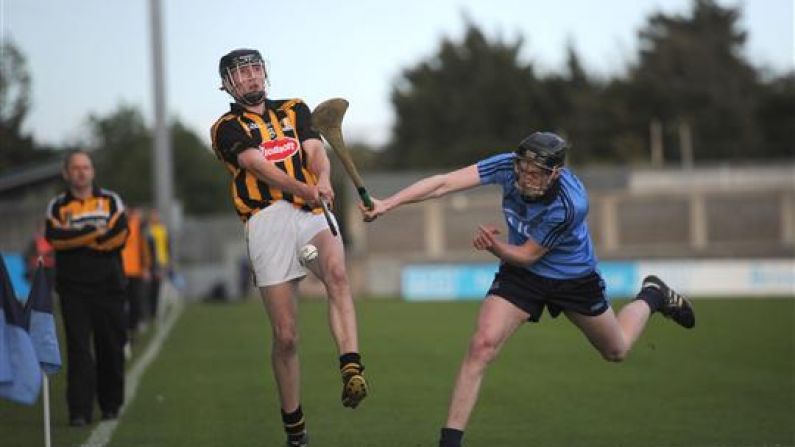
{"type": "Point", "coordinates": [253, 98]}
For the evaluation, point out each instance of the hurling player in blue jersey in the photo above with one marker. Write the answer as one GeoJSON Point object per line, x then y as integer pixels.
{"type": "Point", "coordinates": [547, 261]}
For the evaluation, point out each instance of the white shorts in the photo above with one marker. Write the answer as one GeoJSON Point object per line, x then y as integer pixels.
{"type": "Point", "coordinates": [274, 237]}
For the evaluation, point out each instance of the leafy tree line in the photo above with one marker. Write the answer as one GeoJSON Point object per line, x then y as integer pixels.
{"type": "Point", "coordinates": [122, 143]}
{"type": "Point", "coordinates": [16, 147]}
{"type": "Point", "coordinates": [476, 96]}
{"type": "Point", "coordinates": [124, 163]}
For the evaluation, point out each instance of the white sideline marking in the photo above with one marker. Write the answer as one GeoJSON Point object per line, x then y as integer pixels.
{"type": "Point", "coordinates": [101, 435]}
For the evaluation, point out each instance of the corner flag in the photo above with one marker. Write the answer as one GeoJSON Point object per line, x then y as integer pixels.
{"type": "Point", "coordinates": [40, 323]}
{"type": "Point", "coordinates": [20, 374]}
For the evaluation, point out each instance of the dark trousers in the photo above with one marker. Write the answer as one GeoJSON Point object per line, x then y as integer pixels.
{"type": "Point", "coordinates": [153, 297]}
{"type": "Point", "coordinates": [100, 318]}
{"type": "Point", "coordinates": [135, 303]}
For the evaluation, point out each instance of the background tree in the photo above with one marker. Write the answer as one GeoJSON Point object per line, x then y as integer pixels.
{"type": "Point", "coordinates": [17, 148]}
{"type": "Point", "coordinates": [123, 153]}
{"type": "Point", "coordinates": [472, 98]}
{"type": "Point", "coordinates": [124, 162]}
{"type": "Point", "coordinates": [691, 70]}
{"type": "Point", "coordinates": [475, 97]}
{"type": "Point", "coordinates": [202, 182]}
{"type": "Point", "coordinates": [580, 109]}
{"type": "Point", "coordinates": [775, 118]}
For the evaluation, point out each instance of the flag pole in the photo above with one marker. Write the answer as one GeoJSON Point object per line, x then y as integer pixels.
{"type": "Point", "coordinates": [46, 386]}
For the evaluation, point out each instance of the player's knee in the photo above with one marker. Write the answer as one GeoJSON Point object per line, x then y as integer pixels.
{"type": "Point", "coordinates": [285, 340]}
{"type": "Point", "coordinates": [336, 275]}
{"type": "Point", "coordinates": [483, 348]}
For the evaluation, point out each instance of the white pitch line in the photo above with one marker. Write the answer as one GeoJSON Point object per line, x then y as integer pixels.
{"type": "Point", "coordinates": [101, 435]}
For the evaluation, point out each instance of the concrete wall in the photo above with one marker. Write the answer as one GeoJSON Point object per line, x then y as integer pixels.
{"type": "Point", "coordinates": [656, 215]}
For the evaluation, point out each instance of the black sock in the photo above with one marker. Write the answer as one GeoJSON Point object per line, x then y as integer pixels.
{"type": "Point", "coordinates": [653, 297]}
{"type": "Point", "coordinates": [450, 437]}
{"type": "Point", "coordinates": [294, 424]}
{"type": "Point", "coordinates": [351, 363]}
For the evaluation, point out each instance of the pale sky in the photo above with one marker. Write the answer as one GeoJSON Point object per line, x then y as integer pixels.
{"type": "Point", "coordinates": [88, 56]}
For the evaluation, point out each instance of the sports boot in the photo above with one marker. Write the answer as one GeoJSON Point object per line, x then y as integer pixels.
{"type": "Point", "coordinates": [675, 306]}
{"type": "Point", "coordinates": [299, 440]}
{"type": "Point", "coordinates": [354, 387]}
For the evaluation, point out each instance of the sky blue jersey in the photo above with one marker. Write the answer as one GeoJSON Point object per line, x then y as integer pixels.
{"type": "Point", "coordinates": [558, 224]}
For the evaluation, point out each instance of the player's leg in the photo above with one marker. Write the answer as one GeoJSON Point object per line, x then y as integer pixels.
{"type": "Point", "coordinates": [330, 268]}
{"type": "Point", "coordinates": [280, 304]}
{"type": "Point", "coordinates": [498, 319]}
{"type": "Point", "coordinates": [282, 310]}
{"type": "Point", "coordinates": [607, 333]}
{"type": "Point", "coordinates": [110, 336]}
{"type": "Point", "coordinates": [614, 336]}
{"type": "Point", "coordinates": [271, 240]}
{"type": "Point", "coordinates": [80, 369]}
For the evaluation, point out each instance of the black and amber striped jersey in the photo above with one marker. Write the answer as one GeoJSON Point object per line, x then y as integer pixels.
{"type": "Point", "coordinates": [277, 134]}
{"type": "Point", "coordinates": [87, 235]}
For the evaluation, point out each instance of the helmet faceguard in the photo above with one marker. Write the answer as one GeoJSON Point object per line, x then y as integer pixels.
{"type": "Point", "coordinates": [539, 159]}
{"type": "Point", "coordinates": [237, 69]}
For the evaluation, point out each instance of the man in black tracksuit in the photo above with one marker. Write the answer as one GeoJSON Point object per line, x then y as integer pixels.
{"type": "Point", "coordinates": [87, 226]}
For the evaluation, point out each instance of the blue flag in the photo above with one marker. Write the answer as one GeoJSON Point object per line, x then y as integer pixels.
{"type": "Point", "coordinates": [6, 373]}
{"type": "Point", "coordinates": [20, 374]}
{"type": "Point", "coordinates": [40, 323]}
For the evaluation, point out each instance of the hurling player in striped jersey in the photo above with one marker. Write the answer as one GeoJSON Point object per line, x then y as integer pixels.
{"type": "Point", "coordinates": [280, 174]}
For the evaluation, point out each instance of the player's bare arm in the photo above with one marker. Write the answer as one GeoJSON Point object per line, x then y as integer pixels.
{"type": "Point", "coordinates": [427, 188]}
{"type": "Point", "coordinates": [253, 161]}
{"type": "Point", "coordinates": [320, 166]}
{"type": "Point", "coordinates": [519, 255]}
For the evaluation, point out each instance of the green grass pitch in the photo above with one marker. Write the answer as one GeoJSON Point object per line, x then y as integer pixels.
{"type": "Point", "coordinates": [729, 382]}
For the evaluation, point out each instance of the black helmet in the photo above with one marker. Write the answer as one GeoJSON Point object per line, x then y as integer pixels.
{"type": "Point", "coordinates": [237, 59]}
{"type": "Point", "coordinates": [542, 149]}
{"type": "Point", "coordinates": [545, 149]}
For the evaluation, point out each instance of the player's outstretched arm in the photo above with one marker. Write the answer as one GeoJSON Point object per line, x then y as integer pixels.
{"type": "Point", "coordinates": [428, 188]}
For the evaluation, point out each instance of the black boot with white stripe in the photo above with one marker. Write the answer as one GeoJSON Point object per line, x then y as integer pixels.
{"type": "Point", "coordinates": [298, 440]}
{"type": "Point", "coordinates": [674, 305]}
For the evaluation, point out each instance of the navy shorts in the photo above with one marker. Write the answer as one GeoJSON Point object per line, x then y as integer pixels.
{"type": "Point", "coordinates": [531, 292]}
